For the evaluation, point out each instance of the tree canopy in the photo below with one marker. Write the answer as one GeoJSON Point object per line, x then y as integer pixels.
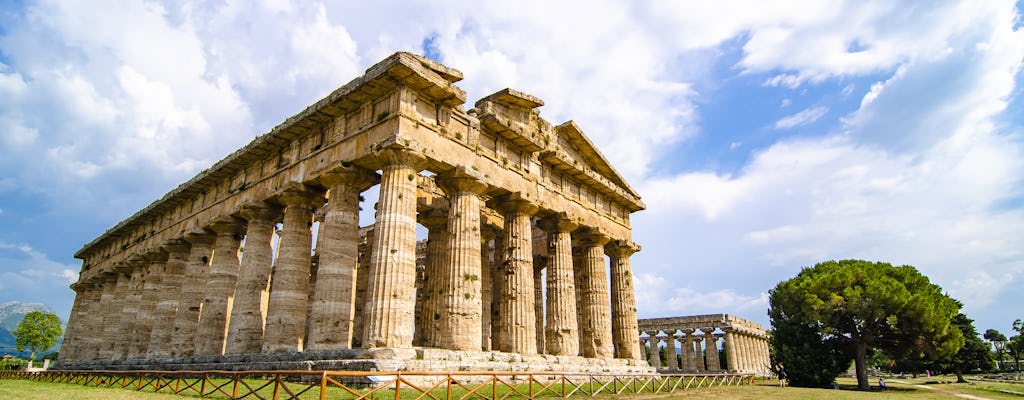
{"type": "Point", "coordinates": [974, 355]}
{"type": "Point", "coordinates": [38, 331]}
{"type": "Point", "coordinates": [998, 342]}
{"type": "Point", "coordinates": [845, 308]}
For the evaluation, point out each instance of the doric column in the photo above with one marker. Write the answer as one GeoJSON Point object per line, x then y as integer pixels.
{"type": "Point", "coordinates": [220, 287]}
{"type": "Point", "coordinates": [497, 280]}
{"type": "Point", "coordinates": [147, 307]}
{"type": "Point", "coordinates": [670, 350]}
{"type": "Point", "coordinates": [338, 248]}
{"type": "Point", "coordinates": [427, 332]}
{"type": "Point", "coordinates": [597, 329]}
{"type": "Point", "coordinates": [539, 263]}
{"type": "Point", "coordinates": [245, 333]}
{"type": "Point", "coordinates": [461, 320]}
{"type": "Point", "coordinates": [519, 334]}
{"type": "Point", "coordinates": [577, 280]}
{"type": "Point", "coordinates": [743, 351]}
{"type": "Point", "coordinates": [112, 336]}
{"type": "Point", "coordinates": [729, 343]}
{"type": "Point", "coordinates": [623, 297]}
{"type": "Point", "coordinates": [561, 332]}
{"type": "Point", "coordinates": [289, 287]}
{"type": "Point", "coordinates": [686, 350]}
{"type": "Point", "coordinates": [109, 314]}
{"type": "Point", "coordinates": [486, 286]}
{"type": "Point", "coordinates": [711, 349]}
{"type": "Point", "coordinates": [390, 305]}
{"type": "Point", "coordinates": [168, 298]}
{"type": "Point", "coordinates": [698, 353]}
{"type": "Point", "coordinates": [193, 288]}
{"type": "Point", "coordinates": [362, 288]}
{"type": "Point", "coordinates": [70, 350]}
{"type": "Point", "coordinates": [128, 331]}
{"type": "Point", "coordinates": [653, 356]}
{"type": "Point", "coordinates": [91, 336]}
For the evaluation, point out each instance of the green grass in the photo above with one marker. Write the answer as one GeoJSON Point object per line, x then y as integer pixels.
{"type": "Point", "coordinates": [914, 389]}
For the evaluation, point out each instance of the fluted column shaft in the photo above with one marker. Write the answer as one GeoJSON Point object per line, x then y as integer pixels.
{"type": "Point", "coordinates": [109, 314]}
{"type": "Point", "coordinates": [193, 288]}
{"type": "Point", "coordinates": [428, 321]}
{"type": "Point", "coordinates": [390, 305]}
{"type": "Point", "coordinates": [73, 334]}
{"type": "Point", "coordinates": [517, 303]}
{"type": "Point", "coordinates": [698, 352]}
{"type": "Point", "coordinates": [245, 333]}
{"type": "Point", "coordinates": [653, 357]}
{"type": "Point", "coordinates": [147, 307]}
{"type": "Point", "coordinates": [686, 350]}
{"type": "Point", "coordinates": [578, 271]}
{"type": "Point", "coordinates": [461, 320]}
{"type": "Point", "coordinates": [561, 332]}
{"type": "Point", "coordinates": [112, 326]}
{"type": "Point", "coordinates": [92, 328]}
{"type": "Point", "coordinates": [711, 350]}
{"type": "Point", "coordinates": [289, 286]}
{"type": "Point", "coordinates": [362, 289]}
{"type": "Point", "coordinates": [597, 329]}
{"type": "Point", "coordinates": [538, 301]}
{"type": "Point", "coordinates": [730, 350]}
{"type": "Point", "coordinates": [623, 299]}
{"type": "Point", "coordinates": [168, 298]}
{"type": "Point", "coordinates": [670, 350]}
{"type": "Point", "coordinates": [130, 309]}
{"type": "Point", "coordinates": [486, 288]}
{"type": "Point", "coordinates": [497, 282]}
{"type": "Point", "coordinates": [333, 306]}
{"type": "Point", "coordinates": [220, 288]}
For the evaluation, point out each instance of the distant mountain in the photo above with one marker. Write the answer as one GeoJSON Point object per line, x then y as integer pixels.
{"type": "Point", "coordinates": [11, 314]}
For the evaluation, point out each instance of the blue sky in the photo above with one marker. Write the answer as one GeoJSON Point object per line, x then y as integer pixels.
{"type": "Point", "coordinates": [762, 138]}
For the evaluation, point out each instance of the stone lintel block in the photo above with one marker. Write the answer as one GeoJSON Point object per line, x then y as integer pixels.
{"type": "Point", "coordinates": [511, 98]}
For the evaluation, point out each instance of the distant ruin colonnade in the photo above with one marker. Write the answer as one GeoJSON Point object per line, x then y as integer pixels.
{"type": "Point", "coordinates": [744, 344]}
{"type": "Point", "coordinates": [229, 263]}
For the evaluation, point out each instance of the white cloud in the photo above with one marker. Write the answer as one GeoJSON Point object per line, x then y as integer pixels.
{"type": "Point", "coordinates": [804, 117]}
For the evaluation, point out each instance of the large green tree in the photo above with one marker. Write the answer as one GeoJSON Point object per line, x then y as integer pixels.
{"type": "Point", "coordinates": [38, 331]}
{"type": "Point", "coordinates": [855, 306]}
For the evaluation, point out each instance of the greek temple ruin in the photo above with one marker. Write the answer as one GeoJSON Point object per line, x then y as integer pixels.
{"type": "Point", "coordinates": [261, 261]}
{"type": "Point", "coordinates": [744, 342]}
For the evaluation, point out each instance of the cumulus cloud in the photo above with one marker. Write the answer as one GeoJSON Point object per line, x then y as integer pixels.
{"type": "Point", "coordinates": [31, 276]}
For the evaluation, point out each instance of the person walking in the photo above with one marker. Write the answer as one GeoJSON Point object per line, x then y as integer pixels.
{"type": "Point", "coordinates": [780, 370]}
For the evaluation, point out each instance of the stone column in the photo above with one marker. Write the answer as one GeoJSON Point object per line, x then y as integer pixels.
{"type": "Point", "coordinates": [698, 353]}
{"type": "Point", "coordinates": [577, 273]}
{"type": "Point", "coordinates": [245, 333]}
{"type": "Point", "coordinates": [623, 299]}
{"type": "Point", "coordinates": [427, 332]}
{"type": "Point", "coordinates": [686, 350]}
{"type": "Point", "coordinates": [517, 308]}
{"type": "Point", "coordinates": [220, 287]}
{"type": "Point", "coordinates": [168, 298]}
{"type": "Point", "coordinates": [561, 333]}
{"type": "Point", "coordinates": [334, 294]}
{"type": "Point", "coordinates": [653, 357]}
{"type": "Point", "coordinates": [711, 349]}
{"type": "Point", "coordinates": [497, 280]}
{"type": "Point", "coordinates": [486, 286]}
{"type": "Point", "coordinates": [539, 264]}
{"type": "Point", "coordinates": [71, 348]}
{"type": "Point", "coordinates": [729, 343]}
{"type": "Point", "coordinates": [743, 351]}
{"type": "Point", "coordinates": [193, 288]}
{"type": "Point", "coordinates": [390, 305]}
{"type": "Point", "coordinates": [670, 350]}
{"type": "Point", "coordinates": [147, 307]}
{"type": "Point", "coordinates": [112, 337]}
{"type": "Point", "coordinates": [461, 302]}
{"type": "Point", "coordinates": [289, 287]}
{"type": "Point", "coordinates": [128, 330]}
{"type": "Point", "coordinates": [109, 314]}
{"type": "Point", "coordinates": [362, 287]}
{"type": "Point", "coordinates": [597, 329]}
{"type": "Point", "coordinates": [91, 336]}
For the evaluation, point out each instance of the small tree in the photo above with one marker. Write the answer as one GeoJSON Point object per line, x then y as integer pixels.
{"type": "Point", "coordinates": [974, 355]}
{"type": "Point", "coordinates": [1016, 348]}
{"type": "Point", "coordinates": [998, 342]}
{"type": "Point", "coordinates": [38, 331]}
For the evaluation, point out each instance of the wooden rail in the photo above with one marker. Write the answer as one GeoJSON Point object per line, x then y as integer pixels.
{"type": "Point", "coordinates": [282, 385]}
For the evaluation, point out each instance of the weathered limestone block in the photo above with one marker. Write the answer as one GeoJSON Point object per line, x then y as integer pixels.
{"type": "Point", "coordinates": [561, 332]}
{"type": "Point", "coordinates": [220, 287]}
{"type": "Point", "coordinates": [168, 298]}
{"type": "Point", "coordinates": [193, 287]}
{"type": "Point", "coordinates": [519, 334]}
{"type": "Point", "coordinates": [461, 303]}
{"type": "Point", "coordinates": [71, 349]}
{"type": "Point", "coordinates": [333, 302]}
{"type": "Point", "coordinates": [597, 331]}
{"type": "Point", "coordinates": [624, 322]}
{"type": "Point", "coordinates": [245, 333]}
{"type": "Point", "coordinates": [147, 306]}
{"type": "Point", "coordinates": [389, 314]}
{"type": "Point", "coordinates": [109, 313]}
{"type": "Point", "coordinates": [289, 286]}
{"type": "Point", "coordinates": [130, 310]}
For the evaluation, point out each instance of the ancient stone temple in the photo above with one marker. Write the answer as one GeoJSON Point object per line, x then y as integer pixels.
{"type": "Point", "coordinates": [259, 262]}
{"type": "Point", "coordinates": [744, 342]}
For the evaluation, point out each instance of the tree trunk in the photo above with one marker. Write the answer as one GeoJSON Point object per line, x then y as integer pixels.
{"type": "Point", "coordinates": [861, 366]}
{"type": "Point", "coordinates": [960, 375]}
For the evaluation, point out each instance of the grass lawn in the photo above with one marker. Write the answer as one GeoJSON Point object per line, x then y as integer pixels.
{"type": "Point", "coordinates": [912, 389]}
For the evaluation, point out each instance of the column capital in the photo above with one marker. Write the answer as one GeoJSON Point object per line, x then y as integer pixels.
{"type": "Point", "coordinates": [707, 331]}
{"type": "Point", "coordinates": [200, 237]}
{"type": "Point", "coordinates": [295, 194]}
{"type": "Point", "coordinates": [621, 248]}
{"type": "Point", "coordinates": [228, 226]}
{"type": "Point", "coordinates": [515, 202]}
{"type": "Point", "coordinates": [686, 331]}
{"type": "Point", "coordinates": [403, 157]}
{"type": "Point", "coordinates": [261, 212]}
{"type": "Point", "coordinates": [349, 176]}
{"type": "Point", "coordinates": [122, 267]}
{"type": "Point", "coordinates": [558, 222]}
{"type": "Point", "coordinates": [488, 232]}
{"type": "Point", "coordinates": [176, 246]}
{"type": "Point", "coordinates": [137, 261]}
{"type": "Point", "coordinates": [593, 236]}
{"type": "Point", "coordinates": [434, 219]}
{"type": "Point", "coordinates": [463, 181]}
